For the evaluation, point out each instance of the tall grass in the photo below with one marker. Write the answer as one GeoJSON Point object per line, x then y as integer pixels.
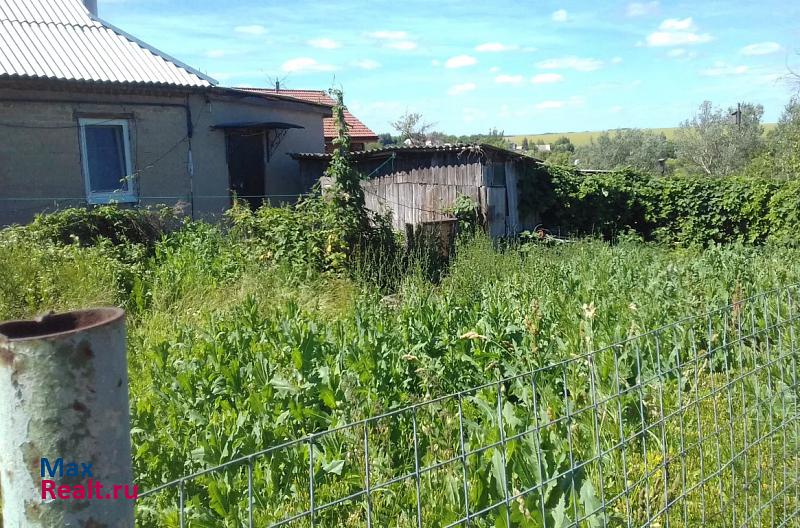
{"type": "Point", "coordinates": [230, 352]}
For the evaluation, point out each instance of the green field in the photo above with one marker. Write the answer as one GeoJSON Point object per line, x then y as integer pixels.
{"type": "Point", "coordinates": [582, 138]}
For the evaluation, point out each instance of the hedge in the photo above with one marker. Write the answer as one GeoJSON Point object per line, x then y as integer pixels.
{"type": "Point", "coordinates": [682, 210]}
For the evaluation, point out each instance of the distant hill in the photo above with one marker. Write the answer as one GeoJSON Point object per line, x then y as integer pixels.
{"type": "Point", "coordinates": [582, 138]}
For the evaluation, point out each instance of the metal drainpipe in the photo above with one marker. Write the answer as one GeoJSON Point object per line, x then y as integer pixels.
{"type": "Point", "coordinates": [64, 395]}
{"type": "Point", "coordinates": [190, 156]}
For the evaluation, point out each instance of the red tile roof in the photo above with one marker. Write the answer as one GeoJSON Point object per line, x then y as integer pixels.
{"type": "Point", "coordinates": [358, 130]}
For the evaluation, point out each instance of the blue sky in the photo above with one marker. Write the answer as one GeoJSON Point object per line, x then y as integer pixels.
{"type": "Point", "coordinates": [468, 66]}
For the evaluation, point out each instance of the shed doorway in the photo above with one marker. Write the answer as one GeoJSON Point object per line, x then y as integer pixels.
{"type": "Point", "coordinates": [246, 161]}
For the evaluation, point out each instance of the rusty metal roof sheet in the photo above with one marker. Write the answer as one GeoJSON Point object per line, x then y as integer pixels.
{"type": "Point", "coordinates": [60, 40]}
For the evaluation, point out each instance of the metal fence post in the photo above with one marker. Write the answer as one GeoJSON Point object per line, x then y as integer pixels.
{"type": "Point", "coordinates": [64, 395]}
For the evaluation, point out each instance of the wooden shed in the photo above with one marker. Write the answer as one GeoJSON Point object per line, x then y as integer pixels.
{"type": "Point", "coordinates": [419, 184]}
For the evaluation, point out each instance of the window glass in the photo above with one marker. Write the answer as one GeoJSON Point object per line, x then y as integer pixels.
{"type": "Point", "coordinates": [105, 153]}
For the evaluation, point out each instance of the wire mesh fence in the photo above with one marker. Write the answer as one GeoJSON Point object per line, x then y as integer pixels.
{"type": "Point", "coordinates": [694, 423]}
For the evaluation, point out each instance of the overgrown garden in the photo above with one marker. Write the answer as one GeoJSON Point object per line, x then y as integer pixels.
{"type": "Point", "coordinates": [281, 322]}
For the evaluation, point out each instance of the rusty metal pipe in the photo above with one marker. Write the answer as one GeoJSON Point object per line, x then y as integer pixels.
{"type": "Point", "coordinates": [64, 395]}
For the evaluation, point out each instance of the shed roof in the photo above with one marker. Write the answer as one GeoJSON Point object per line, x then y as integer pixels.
{"type": "Point", "coordinates": [358, 130]}
{"type": "Point", "coordinates": [61, 40]}
{"type": "Point", "coordinates": [383, 152]}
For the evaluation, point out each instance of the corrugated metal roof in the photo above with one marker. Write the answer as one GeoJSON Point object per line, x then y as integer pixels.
{"type": "Point", "coordinates": [46, 11]}
{"type": "Point", "coordinates": [461, 148]}
{"type": "Point", "coordinates": [59, 39]}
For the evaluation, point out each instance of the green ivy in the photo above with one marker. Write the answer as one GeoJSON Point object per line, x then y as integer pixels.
{"type": "Point", "coordinates": [684, 210]}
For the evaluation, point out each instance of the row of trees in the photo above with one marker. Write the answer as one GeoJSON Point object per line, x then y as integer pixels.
{"type": "Point", "coordinates": [714, 142]}
{"type": "Point", "coordinates": [412, 129]}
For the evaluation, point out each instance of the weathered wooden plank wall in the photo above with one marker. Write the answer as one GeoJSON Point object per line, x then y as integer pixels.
{"type": "Point", "coordinates": [417, 189]}
{"type": "Point", "coordinates": [415, 193]}
{"type": "Point", "coordinates": [513, 223]}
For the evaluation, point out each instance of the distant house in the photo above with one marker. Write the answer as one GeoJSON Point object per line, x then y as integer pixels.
{"type": "Point", "coordinates": [360, 134]}
{"type": "Point", "coordinates": [417, 184]}
{"type": "Point", "coordinates": [90, 114]}
{"type": "Point", "coordinates": [543, 148]}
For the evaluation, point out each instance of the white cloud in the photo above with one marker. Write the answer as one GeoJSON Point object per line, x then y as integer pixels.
{"type": "Point", "coordinates": [460, 61]}
{"type": "Point", "coordinates": [403, 45]}
{"type": "Point", "coordinates": [459, 89]}
{"type": "Point", "coordinates": [254, 29]}
{"type": "Point", "coordinates": [215, 54]}
{"type": "Point", "coordinates": [494, 69]}
{"type": "Point", "coordinates": [681, 53]}
{"type": "Point", "coordinates": [508, 79]}
{"type": "Point", "coordinates": [389, 35]}
{"type": "Point", "coordinates": [615, 109]}
{"type": "Point", "coordinates": [677, 24]}
{"type": "Point", "coordinates": [677, 32]}
{"type": "Point", "coordinates": [324, 43]}
{"type": "Point", "coordinates": [305, 64]}
{"type": "Point", "coordinates": [495, 47]}
{"type": "Point", "coordinates": [560, 15]}
{"type": "Point", "coordinates": [436, 62]}
{"type": "Point", "coordinates": [545, 105]}
{"type": "Point", "coordinates": [678, 38]}
{"type": "Point", "coordinates": [642, 8]}
{"type": "Point", "coordinates": [723, 69]}
{"type": "Point", "coordinates": [398, 40]}
{"type": "Point", "coordinates": [574, 101]}
{"type": "Point", "coordinates": [761, 48]}
{"type": "Point", "coordinates": [367, 64]}
{"type": "Point", "coordinates": [546, 78]}
{"type": "Point", "coordinates": [571, 63]}
{"type": "Point", "coordinates": [616, 60]}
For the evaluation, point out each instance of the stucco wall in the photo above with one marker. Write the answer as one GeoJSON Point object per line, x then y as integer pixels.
{"type": "Point", "coordinates": [40, 160]}
{"type": "Point", "coordinates": [282, 172]}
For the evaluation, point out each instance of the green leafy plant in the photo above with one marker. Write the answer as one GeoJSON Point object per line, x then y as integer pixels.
{"type": "Point", "coordinates": [466, 212]}
{"type": "Point", "coordinates": [685, 209]}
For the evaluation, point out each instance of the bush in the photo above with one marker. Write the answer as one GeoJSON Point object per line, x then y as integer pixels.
{"type": "Point", "coordinates": [684, 210]}
{"type": "Point", "coordinates": [118, 225]}
{"type": "Point", "coordinates": [304, 237]}
{"type": "Point", "coordinates": [784, 213]}
{"type": "Point", "coordinates": [311, 236]}
{"type": "Point", "coordinates": [77, 258]}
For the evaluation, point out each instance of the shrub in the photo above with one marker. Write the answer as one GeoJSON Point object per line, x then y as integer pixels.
{"type": "Point", "coordinates": [784, 213]}
{"type": "Point", "coordinates": [304, 237]}
{"type": "Point", "coordinates": [117, 224]}
{"type": "Point", "coordinates": [684, 210]}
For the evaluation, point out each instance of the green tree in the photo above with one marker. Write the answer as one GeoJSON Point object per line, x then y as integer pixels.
{"type": "Point", "coordinates": [781, 156]}
{"type": "Point", "coordinates": [525, 144]}
{"type": "Point", "coordinates": [557, 158]}
{"type": "Point", "coordinates": [387, 139]}
{"type": "Point", "coordinates": [630, 147]}
{"type": "Point", "coordinates": [412, 126]}
{"type": "Point", "coordinates": [562, 144]}
{"type": "Point", "coordinates": [714, 143]}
